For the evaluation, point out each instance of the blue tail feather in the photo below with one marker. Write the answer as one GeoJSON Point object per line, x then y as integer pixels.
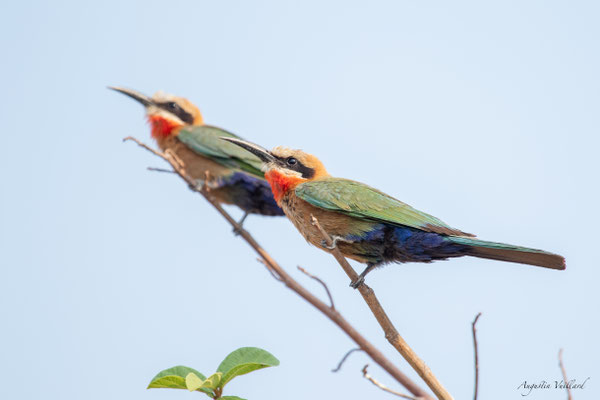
{"type": "Point", "coordinates": [386, 243]}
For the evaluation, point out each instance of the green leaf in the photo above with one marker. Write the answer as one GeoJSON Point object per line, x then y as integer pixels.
{"type": "Point", "coordinates": [173, 378]}
{"type": "Point", "coordinates": [243, 361]}
{"type": "Point", "coordinates": [230, 398]}
{"type": "Point", "coordinates": [193, 382]}
{"type": "Point", "coordinates": [213, 381]}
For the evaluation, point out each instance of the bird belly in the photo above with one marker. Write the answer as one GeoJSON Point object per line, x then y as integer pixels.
{"type": "Point", "coordinates": [369, 241]}
{"type": "Point", "coordinates": [335, 224]}
{"type": "Point", "coordinates": [227, 186]}
{"type": "Point", "coordinates": [197, 166]}
{"type": "Point", "coordinates": [200, 168]}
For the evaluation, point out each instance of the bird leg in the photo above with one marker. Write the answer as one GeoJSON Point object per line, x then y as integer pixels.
{"type": "Point", "coordinates": [236, 231]}
{"type": "Point", "coordinates": [334, 241]}
{"type": "Point", "coordinates": [361, 278]}
{"type": "Point", "coordinates": [198, 187]}
{"type": "Point", "coordinates": [206, 184]}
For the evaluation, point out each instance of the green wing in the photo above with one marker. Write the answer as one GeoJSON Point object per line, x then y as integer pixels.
{"type": "Point", "coordinates": [362, 201]}
{"type": "Point", "coordinates": [206, 140]}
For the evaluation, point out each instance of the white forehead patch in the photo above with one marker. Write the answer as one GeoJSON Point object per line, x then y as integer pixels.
{"type": "Point", "coordinates": [285, 152]}
{"type": "Point", "coordinates": [161, 97]}
{"type": "Point", "coordinates": [282, 151]}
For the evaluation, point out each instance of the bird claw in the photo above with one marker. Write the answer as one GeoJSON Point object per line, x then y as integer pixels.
{"type": "Point", "coordinates": [361, 278]}
{"type": "Point", "coordinates": [334, 242]}
{"type": "Point", "coordinates": [197, 187]}
{"type": "Point", "coordinates": [359, 281]}
{"type": "Point", "coordinates": [236, 231]}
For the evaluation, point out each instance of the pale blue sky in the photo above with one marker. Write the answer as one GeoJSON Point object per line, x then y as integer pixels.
{"type": "Point", "coordinates": [485, 115]}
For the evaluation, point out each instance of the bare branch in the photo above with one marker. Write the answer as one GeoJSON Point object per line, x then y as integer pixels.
{"type": "Point", "coordinates": [343, 360]}
{"type": "Point", "coordinates": [385, 388]}
{"type": "Point", "coordinates": [475, 346]}
{"type": "Point", "coordinates": [207, 179]}
{"type": "Point", "coordinates": [292, 284]}
{"type": "Point", "coordinates": [564, 374]}
{"type": "Point", "coordinates": [154, 169]}
{"type": "Point", "coordinates": [175, 160]}
{"type": "Point", "coordinates": [145, 146]}
{"type": "Point", "coordinates": [336, 253]}
{"type": "Point", "coordinates": [391, 334]}
{"type": "Point", "coordinates": [322, 283]}
{"type": "Point", "coordinates": [263, 262]}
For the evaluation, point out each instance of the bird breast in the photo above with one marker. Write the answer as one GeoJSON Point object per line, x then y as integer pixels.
{"type": "Point", "coordinates": [334, 223]}
{"type": "Point", "coordinates": [196, 166]}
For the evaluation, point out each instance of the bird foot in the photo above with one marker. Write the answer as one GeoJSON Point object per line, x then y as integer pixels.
{"type": "Point", "coordinates": [358, 282]}
{"type": "Point", "coordinates": [236, 231]}
{"type": "Point", "coordinates": [361, 278]}
{"type": "Point", "coordinates": [197, 187]}
{"type": "Point", "coordinates": [334, 243]}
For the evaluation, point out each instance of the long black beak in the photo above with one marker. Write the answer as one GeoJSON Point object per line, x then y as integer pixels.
{"type": "Point", "coordinates": [142, 98]}
{"type": "Point", "coordinates": [264, 155]}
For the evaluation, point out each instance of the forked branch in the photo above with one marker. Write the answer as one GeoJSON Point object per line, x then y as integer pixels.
{"type": "Point", "coordinates": [316, 278]}
{"type": "Point", "coordinates": [390, 331]}
{"type": "Point", "coordinates": [383, 387]}
{"type": "Point", "coordinates": [343, 360]}
{"type": "Point", "coordinates": [274, 267]}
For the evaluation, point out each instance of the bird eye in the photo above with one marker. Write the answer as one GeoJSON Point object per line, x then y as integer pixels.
{"type": "Point", "coordinates": [292, 161]}
{"type": "Point", "coordinates": [172, 105]}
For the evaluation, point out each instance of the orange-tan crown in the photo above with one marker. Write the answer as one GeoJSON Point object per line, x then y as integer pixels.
{"type": "Point", "coordinates": [165, 120]}
{"type": "Point", "coordinates": [185, 104]}
{"type": "Point", "coordinates": [285, 176]}
{"type": "Point", "coordinates": [306, 159]}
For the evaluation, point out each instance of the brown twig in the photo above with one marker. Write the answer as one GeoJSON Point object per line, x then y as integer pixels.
{"type": "Point", "coordinates": [332, 314]}
{"type": "Point", "coordinates": [476, 348]}
{"type": "Point", "coordinates": [343, 360]}
{"type": "Point", "coordinates": [564, 374]}
{"type": "Point", "coordinates": [154, 169]}
{"type": "Point", "coordinates": [391, 333]}
{"type": "Point", "coordinates": [263, 262]}
{"type": "Point", "coordinates": [321, 282]}
{"type": "Point", "coordinates": [383, 387]}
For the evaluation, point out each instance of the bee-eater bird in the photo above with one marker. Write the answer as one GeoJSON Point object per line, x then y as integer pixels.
{"type": "Point", "coordinates": [370, 226]}
{"type": "Point", "coordinates": [234, 175]}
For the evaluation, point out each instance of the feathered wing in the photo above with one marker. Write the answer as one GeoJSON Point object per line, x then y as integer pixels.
{"type": "Point", "coordinates": [359, 200]}
{"type": "Point", "coordinates": [205, 140]}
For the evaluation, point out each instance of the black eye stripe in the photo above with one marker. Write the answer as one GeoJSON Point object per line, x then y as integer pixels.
{"type": "Point", "coordinates": [297, 166]}
{"type": "Point", "coordinates": [175, 109]}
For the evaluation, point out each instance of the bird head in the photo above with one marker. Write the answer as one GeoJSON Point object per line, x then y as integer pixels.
{"type": "Point", "coordinates": [284, 168]}
{"type": "Point", "coordinates": [165, 112]}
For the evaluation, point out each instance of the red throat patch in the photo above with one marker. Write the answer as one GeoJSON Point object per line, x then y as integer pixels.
{"type": "Point", "coordinates": [161, 127]}
{"type": "Point", "coordinates": [280, 184]}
